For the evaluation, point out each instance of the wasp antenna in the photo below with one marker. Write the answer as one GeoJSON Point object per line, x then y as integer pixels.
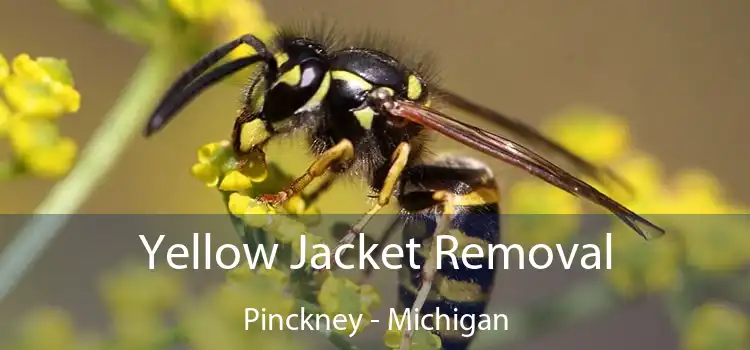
{"type": "Point", "coordinates": [186, 87]}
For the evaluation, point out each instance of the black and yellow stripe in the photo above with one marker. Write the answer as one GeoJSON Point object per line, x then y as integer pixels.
{"type": "Point", "coordinates": [473, 195]}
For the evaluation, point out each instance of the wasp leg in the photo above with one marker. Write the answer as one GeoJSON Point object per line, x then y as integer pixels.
{"type": "Point", "coordinates": [398, 164]}
{"type": "Point", "coordinates": [453, 200]}
{"type": "Point", "coordinates": [429, 270]}
{"type": "Point", "coordinates": [381, 245]}
{"type": "Point", "coordinates": [340, 153]}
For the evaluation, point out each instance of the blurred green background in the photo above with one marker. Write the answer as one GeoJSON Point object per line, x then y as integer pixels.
{"type": "Point", "coordinates": [675, 70]}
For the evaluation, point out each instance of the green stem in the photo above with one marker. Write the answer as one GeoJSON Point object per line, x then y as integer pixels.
{"type": "Point", "coordinates": [96, 161]}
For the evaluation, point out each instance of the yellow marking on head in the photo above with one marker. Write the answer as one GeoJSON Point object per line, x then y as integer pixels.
{"type": "Point", "coordinates": [459, 291]}
{"type": "Point", "coordinates": [252, 134]}
{"type": "Point", "coordinates": [413, 88]}
{"type": "Point", "coordinates": [281, 58]}
{"type": "Point", "coordinates": [365, 116]}
{"type": "Point", "coordinates": [291, 77]}
{"type": "Point", "coordinates": [484, 195]}
{"type": "Point", "coordinates": [351, 78]}
{"type": "Point", "coordinates": [320, 94]}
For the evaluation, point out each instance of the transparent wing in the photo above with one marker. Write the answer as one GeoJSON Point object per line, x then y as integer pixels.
{"type": "Point", "coordinates": [533, 137]}
{"type": "Point", "coordinates": [519, 156]}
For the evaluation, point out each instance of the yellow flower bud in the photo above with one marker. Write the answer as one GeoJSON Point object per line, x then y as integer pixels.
{"type": "Point", "coordinates": [4, 69]}
{"type": "Point", "coordinates": [5, 118]}
{"type": "Point", "coordinates": [205, 172]}
{"type": "Point", "coordinates": [596, 136]}
{"type": "Point", "coordinates": [310, 241]}
{"type": "Point", "coordinates": [41, 87]}
{"type": "Point", "coordinates": [206, 152]}
{"type": "Point", "coordinates": [49, 329]}
{"type": "Point", "coordinates": [640, 267]}
{"type": "Point", "coordinates": [717, 326]}
{"type": "Point", "coordinates": [342, 296]}
{"type": "Point", "coordinates": [201, 11]}
{"type": "Point", "coordinates": [53, 161]}
{"type": "Point", "coordinates": [239, 203]}
{"type": "Point", "coordinates": [235, 181]}
{"type": "Point", "coordinates": [295, 205]}
{"type": "Point", "coordinates": [40, 99]}
{"type": "Point", "coordinates": [421, 339]}
{"type": "Point", "coordinates": [27, 135]}
{"type": "Point", "coordinates": [286, 229]}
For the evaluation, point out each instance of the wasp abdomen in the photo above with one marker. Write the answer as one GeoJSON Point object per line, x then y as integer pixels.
{"type": "Point", "coordinates": [462, 285]}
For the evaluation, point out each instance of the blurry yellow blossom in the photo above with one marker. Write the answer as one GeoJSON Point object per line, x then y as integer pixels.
{"type": "Point", "coordinates": [421, 339]}
{"type": "Point", "coordinates": [37, 91]}
{"type": "Point", "coordinates": [640, 267]}
{"type": "Point", "coordinates": [246, 16]}
{"type": "Point", "coordinates": [698, 192]}
{"type": "Point", "coordinates": [199, 10]}
{"type": "Point", "coordinates": [597, 136]}
{"type": "Point", "coordinates": [48, 328]}
{"type": "Point", "coordinates": [286, 229]}
{"type": "Point", "coordinates": [715, 326]}
{"type": "Point", "coordinates": [342, 296]}
{"type": "Point", "coordinates": [41, 88]}
{"type": "Point", "coordinates": [235, 181]}
{"type": "Point", "coordinates": [540, 214]}
{"type": "Point", "coordinates": [311, 240]}
{"type": "Point", "coordinates": [4, 69]}
{"type": "Point", "coordinates": [212, 322]}
{"type": "Point", "coordinates": [216, 162]}
{"type": "Point", "coordinates": [38, 144]}
{"type": "Point", "coordinates": [251, 211]}
{"type": "Point", "coordinates": [6, 116]}
{"type": "Point", "coordinates": [136, 289]}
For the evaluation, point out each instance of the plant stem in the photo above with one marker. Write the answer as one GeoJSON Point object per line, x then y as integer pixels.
{"type": "Point", "coordinates": [96, 161]}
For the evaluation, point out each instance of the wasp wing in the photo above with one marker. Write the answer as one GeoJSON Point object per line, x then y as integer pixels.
{"type": "Point", "coordinates": [519, 156]}
{"type": "Point", "coordinates": [532, 135]}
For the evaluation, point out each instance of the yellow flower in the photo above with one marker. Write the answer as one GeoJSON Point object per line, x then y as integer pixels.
{"type": "Point", "coordinates": [6, 117]}
{"type": "Point", "coordinates": [715, 243]}
{"type": "Point", "coordinates": [235, 181]}
{"type": "Point", "coordinates": [342, 296]}
{"type": "Point", "coordinates": [698, 192]}
{"type": "Point", "coordinates": [311, 240]}
{"type": "Point", "coordinates": [48, 329]}
{"type": "Point", "coordinates": [639, 266]}
{"type": "Point", "coordinates": [211, 323]}
{"type": "Point", "coordinates": [216, 162]}
{"type": "Point", "coordinates": [286, 229]}
{"type": "Point", "coordinates": [206, 173]}
{"type": "Point", "coordinates": [135, 290]}
{"type": "Point", "coordinates": [41, 88]}
{"type": "Point", "coordinates": [421, 339]}
{"type": "Point", "coordinates": [252, 212]}
{"type": "Point", "coordinates": [244, 17]}
{"type": "Point", "coordinates": [714, 326]}
{"type": "Point", "coordinates": [4, 69]}
{"type": "Point", "coordinates": [199, 10]}
{"type": "Point", "coordinates": [596, 136]}
{"type": "Point", "coordinates": [43, 151]}
{"type": "Point", "coordinates": [541, 214]}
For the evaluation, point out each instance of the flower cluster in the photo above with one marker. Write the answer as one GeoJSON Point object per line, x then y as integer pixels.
{"type": "Point", "coordinates": [239, 180]}
{"type": "Point", "coordinates": [151, 309]}
{"type": "Point", "coordinates": [37, 92]}
{"type": "Point", "coordinates": [710, 243]}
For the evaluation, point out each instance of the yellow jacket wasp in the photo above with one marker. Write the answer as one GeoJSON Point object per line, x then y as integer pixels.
{"type": "Point", "coordinates": [366, 113]}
